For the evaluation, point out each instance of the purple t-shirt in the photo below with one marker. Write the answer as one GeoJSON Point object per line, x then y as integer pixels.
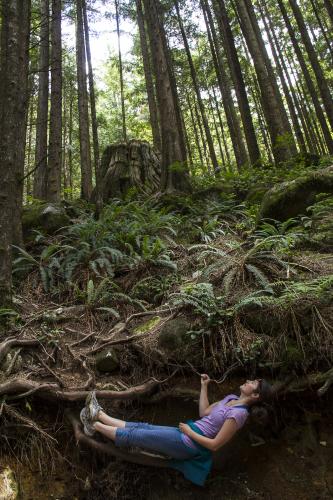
{"type": "Point", "coordinates": [212, 424]}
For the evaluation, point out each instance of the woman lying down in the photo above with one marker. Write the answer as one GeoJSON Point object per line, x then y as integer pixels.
{"type": "Point", "coordinates": [189, 446]}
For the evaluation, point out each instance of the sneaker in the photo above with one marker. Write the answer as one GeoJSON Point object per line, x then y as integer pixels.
{"type": "Point", "coordinates": [92, 406]}
{"type": "Point", "coordinates": [87, 425]}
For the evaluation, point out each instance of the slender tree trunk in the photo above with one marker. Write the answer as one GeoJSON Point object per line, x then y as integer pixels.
{"type": "Point", "coordinates": [40, 178]}
{"type": "Point", "coordinates": [85, 156]}
{"type": "Point", "coordinates": [91, 91]}
{"type": "Point", "coordinates": [14, 52]}
{"type": "Point", "coordinates": [29, 153]}
{"type": "Point", "coordinates": [237, 77]}
{"type": "Point", "coordinates": [55, 142]}
{"type": "Point", "coordinates": [123, 115]}
{"type": "Point", "coordinates": [322, 28]}
{"type": "Point", "coordinates": [308, 79]}
{"type": "Point", "coordinates": [195, 130]}
{"type": "Point", "coordinates": [153, 112]}
{"type": "Point", "coordinates": [292, 111]}
{"type": "Point", "coordinates": [275, 114]}
{"type": "Point", "coordinates": [218, 112]}
{"type": "Point", "coordinates": [174, 168]}
{"type": "Point", "coordinates": [318, 72]}
{"type": "Point", "coordinates": [329, 7]}
{"type": "Point", "coordinates": [70, 148]}
{"type": "Point", "coordinates": [225, 89]}
{"type": "Point", "coordinates": [197, 91]}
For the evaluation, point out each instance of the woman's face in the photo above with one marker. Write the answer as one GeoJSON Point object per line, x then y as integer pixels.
{"type": "Point", "coordinates": [249, 387]}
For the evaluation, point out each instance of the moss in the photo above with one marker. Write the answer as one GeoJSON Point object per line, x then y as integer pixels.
{"type": "Point", "coordinates": [44, 217]}
{"type": "Point", "coordinates": [173, 334]}
{"type": "Point", "coordinates": [290, 199]}
{"type": "Point", "coordinates": [256, 195]}
{"type": "Point", "coordinates": [9, 489]}
{"type": "Point", "coordinates": [147, 325]}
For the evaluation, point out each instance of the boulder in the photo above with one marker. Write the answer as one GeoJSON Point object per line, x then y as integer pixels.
{"type": "Point", "coordinates": [45, 217]}
{"type": "Point", "coordinates": [292, 198]}
{"type": "Point", "coordinates": [107, 361]}
{"type": "Point", "coordinates": [172, 336]}
{"type": "Point", "coordinates": [9, 489]}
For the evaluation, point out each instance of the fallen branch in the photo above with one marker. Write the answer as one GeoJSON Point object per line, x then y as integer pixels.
{"type": "Point", "coordinates": [14, 342]}
{"type": "Point", "coordinates": [47, 368]}
{"type": "Point", "coordinates": [110, 449]}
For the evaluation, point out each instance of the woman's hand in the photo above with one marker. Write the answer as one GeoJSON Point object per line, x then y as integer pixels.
{"type": "Point", "coordinates": [185, 429]}
{"type": "Point", "coordinates": [205, 380]}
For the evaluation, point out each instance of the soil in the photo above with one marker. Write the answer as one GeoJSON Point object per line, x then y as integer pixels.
{"type": "Point", "coordinates": [290, 458]}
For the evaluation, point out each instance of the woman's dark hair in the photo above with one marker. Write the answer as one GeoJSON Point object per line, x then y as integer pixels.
{"type": "Point", "coordinates": [258, 412]}
{"type": "Point", "coordinates": [265, 391]}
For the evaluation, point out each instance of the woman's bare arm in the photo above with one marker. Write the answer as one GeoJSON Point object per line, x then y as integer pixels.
{"type": "Point", "coordinates": [227, 431]}
{"type": "Point", "coordinates": [203, 401]}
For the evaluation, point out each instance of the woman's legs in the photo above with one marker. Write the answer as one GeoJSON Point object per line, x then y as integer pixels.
{"type": "Point", "coordinates": [165, 440]}
{"type": "Point", "coordinates": [109, 421]}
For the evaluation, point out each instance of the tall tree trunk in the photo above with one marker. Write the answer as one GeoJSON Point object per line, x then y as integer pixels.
{"type": "Point", "coordinates": [277, 121]}
{"type": "Point", "coordinates": [319, 74]}
{"type": "Point", "coordinates": [225, 89]}
{"type": "Point", "coordinates": [55, 142]}
{"type": "Point", "coordinates": [91, 90]}
{"type": "Point", "coordinates": [308, 79]}
{"type": "Point", "coordinates": [123, 115]}
{"type": "Point", "coordinates": [197, 92]}
{"type": "Point", "coordinates": [291, 107]}
{"type": "Point", "coordinates": [85, 156]}
{"type": "Point", "coordinates": [174, 166]}
{"type": "Point", "coordinates": [322, 28]}
{"type": "Point", "coordinates": [153, 112]}
{"type": "Point", "coordinates": [329, 7]}
{"type": "Point", "coordinates": [14, 52]}
{"type": "Point", "coordinates": [195, 130]}
{"type": "Point", "coordinates": [40, 178]}
{"type": "Point", "coordinates": [237, 78]}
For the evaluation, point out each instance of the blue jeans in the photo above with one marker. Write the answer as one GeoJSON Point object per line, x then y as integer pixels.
{"type": "Point", "coordinates": [161, 439]}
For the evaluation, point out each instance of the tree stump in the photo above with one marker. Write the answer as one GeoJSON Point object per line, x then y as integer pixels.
{"type": "Point", "coordinates": [129, 164]}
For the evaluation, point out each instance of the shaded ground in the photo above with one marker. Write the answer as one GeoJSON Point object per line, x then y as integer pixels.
{"type": "Point", "coordinates": [294, 462]}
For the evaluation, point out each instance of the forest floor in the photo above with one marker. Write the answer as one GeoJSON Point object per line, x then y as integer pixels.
{"type": "Point", "coordinates": [263, 309]}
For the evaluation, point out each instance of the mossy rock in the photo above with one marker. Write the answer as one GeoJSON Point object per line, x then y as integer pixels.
{"type": "Point", "coordinates": [147, 325]}
{"type": "Point", "coordinates": [9, 489]}
{"type": "Point", "coordinates": [44, 217]}
{"type": "Point", "coordinates": [290, 199]}
{"type": "Point", "coordinates": [256, 195]}
{"type": "Point", "coordinates": [172, 336]}
{"type": "Point", "coordinates": [293, 353]}
{"type": "Point", "coordinates": [107, 361]}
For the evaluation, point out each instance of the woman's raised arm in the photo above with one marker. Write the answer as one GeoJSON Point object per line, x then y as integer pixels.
{"type": "Point", "coordinates": [203, 401]}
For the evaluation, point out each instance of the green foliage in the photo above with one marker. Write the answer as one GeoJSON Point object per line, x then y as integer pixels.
{"type": "Point", "coordinates": [292, 292]}
{"type": "Point", "coordinates": [279, 236]}
{"type": "Point", "coordinates": [255, 266]}
{"type": "Point", "coordinates": [199, 296]}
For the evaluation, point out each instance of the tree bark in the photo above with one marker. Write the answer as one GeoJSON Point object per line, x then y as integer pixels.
{"type": "Point", "coordinates": [277, 121]}
{"type": "Point", "coordinates": [15, 32]}
{"type": "Point", "coordinates": [174, 162]}
{"type": "Point", "coordinates": [225, 89]}
{"type": "Point", "coordinates": [55, 137]}
{"type": "Point", "coordinates": [40, 178]}
{"type": "Point", "coordinates": [197, 91]}
{"type": "Point", "coordinates": [318, 72]}
{"type": "Point", "coordinates": [308, 79]}
{"type": "Point", "coordinates": [270, 33]}
{"type": "Point", "coordinates": [121, 78]}
{"type": "Point", "coordinates": [329, 7]}
{"type": "Point", "coordinates": [237, 78]}
{"type": "Point", "coordinates": [153, 111]}
{"type": "Point", "coordinates": [91, 91]}
{"type": "Point", "coordinates": [86, 172]}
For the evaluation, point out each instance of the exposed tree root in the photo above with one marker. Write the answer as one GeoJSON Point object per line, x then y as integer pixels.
{"type": "Point", "coordinates": [20, 388]}
{"type": "Point", "coordinates": [110, 449]}
{"type": "Point", "coordinates": [14, 342]}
